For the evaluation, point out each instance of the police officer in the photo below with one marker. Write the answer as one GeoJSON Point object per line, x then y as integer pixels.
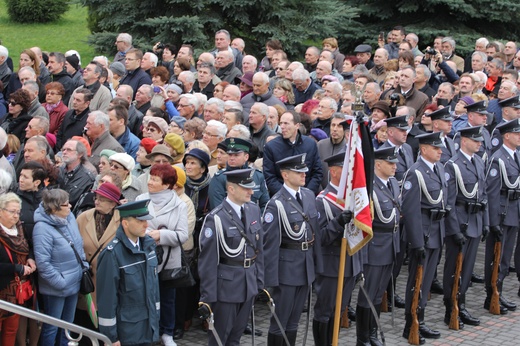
{"type": "Point", "coordinates": [503, 190]}
{"type": "Point", "coordinates": [425, 201]}
{"type": "Point", "coordinates": [292, 247]}
{"type": "Point", "coordinates": [468, 220]}
{"type": "Point", "coordinates": [442, 122]}
{"type": "Point", "coordinates": [477, 116]}
{"type": "Point", "coordinates": [238, 155]}
{"type": "Point", "coordinates": [510, 111]}
{"type": "Point", "coordinates": [384, 246]}
{"type": "Point", "coordinates": [332, 222]}
{"type": "Point", "coordinates": [231, 261]}
{"type": "Point", "coordinates": [127, 283]}
{"type": "Point", "coordinates": [397, 135]}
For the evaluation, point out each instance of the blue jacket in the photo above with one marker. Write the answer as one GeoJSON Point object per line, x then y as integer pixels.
{"type": "Point", "coordinates": [59, 272]}
{"type": "Point", "coordinates": [135, 79]}
{"type": "Point", "coordinates": [129, 142]}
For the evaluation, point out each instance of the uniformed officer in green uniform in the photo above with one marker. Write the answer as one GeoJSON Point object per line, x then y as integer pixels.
{"type": "Point", "coordinates": [127, 281]}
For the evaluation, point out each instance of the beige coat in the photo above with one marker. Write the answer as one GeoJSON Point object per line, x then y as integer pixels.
{"type": "Point", "coordinates": [87, 229]}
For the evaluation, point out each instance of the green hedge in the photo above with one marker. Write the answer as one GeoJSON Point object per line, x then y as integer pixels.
{"type": "Point", "coordinates": [36, 11]}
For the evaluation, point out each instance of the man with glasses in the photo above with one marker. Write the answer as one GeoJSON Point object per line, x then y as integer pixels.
{"type": "Point", "coordinates": [304, 87]}
{"type": "Point", "coordinates": [102, 95]}
{"type": "Point", "coordinates": [214, 133]}
{"type": "Point", "coordinates": [74, 177]}
{"type": "Point", "coordinates": [135, 76]}
{"type": "Point", "coordinates": [123, 44]}
{"type": "Point", "coordinates": [188, 105]}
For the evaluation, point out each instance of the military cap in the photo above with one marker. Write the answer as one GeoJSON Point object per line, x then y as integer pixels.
{"type": "Point", "coordinates": [441, 114]}
{"type": "Point", "coordinates": [137, 209]}
{"type": "Point", "coordinates": [473, 132]}
{"type": "Point", "coordinates": [242, 177]}
{"type": "Point", "coordinates": [478, 107]}
{"type": "Point", "coordinates": [336, 159]}
{"type": "Point", "coordinates": [431, 139]}
{"type": "Point", "coordinates": [386, 154]}
{"type": "Point", "coordinates": [294, 163]}
{"type": "Point", "coordinates": [398, 122]}
{"type": "Point", "coordinates": [222, 145]}
{"type": "Point", "coordinates": [510, 126]}
{"type": "Point", "coordinates": [363, 48]}
{"type": "Point", "coordinates": [237, 145]}
{"type": "Point", "coordinates": [510, 102]}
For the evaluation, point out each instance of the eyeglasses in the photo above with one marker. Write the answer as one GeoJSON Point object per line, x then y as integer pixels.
{"type": "Point", "coordinates": [52, 93]}
{"type": "Point", "coordinates": [13, 103]}
{"type": "Point", "coordinates": [205, 133]}
{"type": "Point", "coordinates": [67, 149]}
{"type": "Point", "coordinates": [12, 212]}
{"type": "Point", "coordinates": [116, 166]}
{"type": "Point", "coordinates": [279, 69]}
{"type": "Point", "coordinates": [182, 106]}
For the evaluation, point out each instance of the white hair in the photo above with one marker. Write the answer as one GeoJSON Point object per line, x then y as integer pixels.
{"type": "Point", "coordinates": [125, 38]}
{"type": "Point", "coordinates": [233, 104]}
{"type": "Point", "coordinates": [4, 52]}
{"type": "Point", "coordinates": [300, 74]}
{"type": "Point", "coordinates": [153, 58]}
{"type": "Point", "coordinates": [262, 75]}
{"type": "Point", "coordinates": [218, 102]}
{"type": "Point", "coordinates": [190, 77]}
{"type": "Point", "coordinates": [220, 126]}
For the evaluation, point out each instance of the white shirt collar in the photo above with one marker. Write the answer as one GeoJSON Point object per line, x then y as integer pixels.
{"type": "Point", "coordinates": [291, 191]}
{"type": "Point", "coordinates": [235, 207]}
{"type": "Point", "coordinates": [428, 163]}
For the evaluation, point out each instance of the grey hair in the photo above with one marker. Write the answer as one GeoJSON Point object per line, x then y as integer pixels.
{"type": "Point", "coordinates": [9, 197]}
{"type": "Point", "coordinates": [225, 32]}
{"type": "Point", "coordinates": [255, 61]}
{"type": "Point", "coordinates": [29, 69]}
{"type": "Point", "coordinates": [153, 58]}
{"type": "Point", "coordinates": [262, 75]}
{"type": "Point", "coordinates": [243, 131]}
{"type": "Point", "coordinates": [337, 88]}
{"type": "Point", "coordinates": [333, 104]}
{"type": "Point", "coordinates": [101, 57]}
{"type": "Point", "coordinates": [218, 102]}
{"type": "Point", "coordinates": [149, 88]}
{"type": "Point", "coordinates": [263, 108]}
{"type": "Point", "coordinates": [483, 41]}
{"type": "Point", "coordinates": [192, 100]}
{"type": "Point", "coordinates": [482, 55]}
{"type": "Point", "coordinates": [220, 126]}
{"type": "Point", "coordinates": [499, 63]}
{"type": "Point", "coordinates": [41, 142]}
{"type": "Point", "coordinates": [234, 104]}
{"type": "Point", "coordinates": [190, 77]}
{"type": "Point", "coordinates": [32, 85]}
{"type": "Point", "coordinates": [53, 199]}
{"type": "Point", "coordinates": [127, 38]}
{"type": "Point", "coordinates": [209, 66]}
{"type": "Point", "coordinates": [101, 118]}
{"type": "Point", "coordinates": [43, 123]}
{"type": "Point", "coordinates": [450, 41]}
{"type": "Point", "coordinates": [300, 74]}
{"type": "Point", "coordinates": [4, 52]}
{"type": "Point", "coordinates": [426, 71]}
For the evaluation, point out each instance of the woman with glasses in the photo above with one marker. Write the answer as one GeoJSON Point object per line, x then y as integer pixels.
{"type": "Point", "coordinates": [122, 164]}
{"type": "Point", "coordinates": [59, 269]}
{"type": "Point", "coordinates": [17, 119]}
{"type": "Point", "coordinates": [15, 263]}
{"type": "Point", "coordinates": [54, 105]}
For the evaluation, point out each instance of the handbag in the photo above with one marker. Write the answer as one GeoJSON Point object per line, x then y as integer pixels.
{"type": "Point", "coordinates": [86, 283]}
{"type": "Point", "coordinates": [177, 277]}
{"type": "Point", "coordinates": [24, 289]}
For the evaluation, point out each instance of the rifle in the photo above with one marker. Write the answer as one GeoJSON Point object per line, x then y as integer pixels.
{"type": "Point", "coordinates": [494, 307]}
{"type": "Point", "coordinates": [454, 318]}
{"type": "Point", "coordinates": [413, 338]}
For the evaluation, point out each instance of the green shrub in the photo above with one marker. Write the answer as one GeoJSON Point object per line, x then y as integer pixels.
{"type": "Point", "coordinates": [36, 11]}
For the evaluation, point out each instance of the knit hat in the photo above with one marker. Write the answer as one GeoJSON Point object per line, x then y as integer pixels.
{"type": "Point", "coordinates": [319, 134]}
{"type": "Point", "coordinates": [73, 60]}
{"type": "Point", "coordinates": [468, 100]}
{"type": "Point", "coordinates": [109, 191]}
{"type": "Point", "coordinates": [107, 153]}
{"type": "Point", "coordinates": [180, 121]}
{"type": "Point", "coordinates": [147, 143]}
{"type": "Point", "coordinates": [176, 142]}
{"type": "Point", "coordinates": [160, 123]}
{"type": "Point", "coordinates": [181, 176]}
{"type": "Point", "coordinates": [118, 68]}
{"type": "Point", "coordinates": [123, 159]}
{"type": "Point", "coordinates": [175, 88]}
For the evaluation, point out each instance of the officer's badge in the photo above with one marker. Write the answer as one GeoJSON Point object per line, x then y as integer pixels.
{"type": "Point", "coordinates": [493, 172]}
{"type": "Point", "coordinates": [456, 146]}
{"type": "Point", "coordinates": [296, 227]}
{"type": "Point", "coordinates": [407, 185]}
{"type": "Point", "coordinates": [447, 176]}
{"type": "Point", "coordinates": [268, 217]}
{"type": "Point", "coordinates": [495, 142]}
{"type": "Point", "coordinates": [110, 247]}
{"type": "Point", "coordinates": [208, 232]}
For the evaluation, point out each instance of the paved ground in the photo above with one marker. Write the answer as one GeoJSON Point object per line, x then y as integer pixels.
{"type": "Point", "coordinates": [493, 330]}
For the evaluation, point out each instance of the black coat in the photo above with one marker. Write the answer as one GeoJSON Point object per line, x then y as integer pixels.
{"type": "Point", "coordinates": [72, 125]}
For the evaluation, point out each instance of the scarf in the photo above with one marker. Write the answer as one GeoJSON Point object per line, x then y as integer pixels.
{"type": "Point", "coordinates": [196, 186]}
{"type": "Point", "coordinates": [102, 221]}
{"type": "Point", "coordinates": [127, 182]}
{"type": "Point", "coordinates": [16, 243]}
{"type": "Point", "coordinates": [50, 107]}
{"type": "Point", "coordinates": [161, 198]}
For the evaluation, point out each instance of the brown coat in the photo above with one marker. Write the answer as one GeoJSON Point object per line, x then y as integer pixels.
{"type": "Point", "coordinates": [87, 229]}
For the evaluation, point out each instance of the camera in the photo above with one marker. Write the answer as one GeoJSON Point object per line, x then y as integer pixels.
{"type": "Point", "coordinates": [160, 46]}
{"type": "Point", "coordinates": [430, 51]}
{"type": "Point", "coordinates": [156, 89]}
{"type": "Point", "coordinates": [394, 97]}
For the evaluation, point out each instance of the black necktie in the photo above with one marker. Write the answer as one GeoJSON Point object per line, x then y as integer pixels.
{"type": "Point", "coordinates": [389, 185]}
{"type": "Point", "coordinates": [243, 216]}
{"type": "Point", "coordinates": [473, 162]}
{"type": "Point", "coordinates": [435, 170]}
{"type": "Point", "coordinates": [516, 159]}
{"type": "Point", "coordinates": [299, 199]}
{"type": "Point", "coordinates": [401, 153]}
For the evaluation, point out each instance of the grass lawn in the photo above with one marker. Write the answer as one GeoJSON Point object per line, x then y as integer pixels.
{"type": "Point", "coordinates": [70, 32]}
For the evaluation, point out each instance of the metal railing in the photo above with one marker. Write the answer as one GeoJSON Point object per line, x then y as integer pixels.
{"type": "Point", "coordinates": [68, 327]}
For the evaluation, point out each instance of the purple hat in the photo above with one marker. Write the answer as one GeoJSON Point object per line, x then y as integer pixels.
{"type": "Point", "coordinates": [247, 78]}
{"type": "Point", "coordinates": [467, 99]}
{"type": "Point", "coordinates": [109, 191]}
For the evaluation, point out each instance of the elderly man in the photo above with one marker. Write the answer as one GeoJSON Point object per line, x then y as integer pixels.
{"type": "Point", "coordinates": [204, 83]}
{"type": "Point", "coordinates": [231, 93]}
{"type": "Point", "coordinates": [327, 55]}
{"type": "Point", "coordinates": [37, 127]}
{"type": "Point", "coordinates": [293, 66]}
{"type": "Point", "coordinates": [187, 78]}
{"type": "Point", "coordinates": [378, 72]}
{"type": "Point", "coordinates": [123, 44]}
{"type": "Point", "coordinates": [135, 75]}
{"type": "Point", "coordinates": [208, 58]}
{"type": "Point", "coordinates": [214, 109]}
{"type": "Point", "coordinates": [423, 74]}
{"type": "Point", "coordinates": [188, 105]}
{"type": "Point", "coordinates": [118, 117]}
{"type": "Point", "coordinates": [102, 95]}
{"type": "Point", "coordinates": [238, 44]}
{"type": "Point", "coordinates": [312, 55]}
{"type": "Point", "coordinates": [56, 66]}
{"type": "Point", "coordinates": [495, 69]}
{"type": "Point", "coordinates": [261, 93]}
{"type": "Point", "coordinates": [223, 44]}
{"type": "Point", "coordinates": [249, 64]}
{"type": "Point", "coordinates": [304, 87]}
{"type": "Point", "coordinates": [326, 108]}
{"type": "Point", "coordinates": [478, 61]}
{"type": "Point", "coordinates": [149, 61]}
{"type": "Point", "coordinates": [75, 119]}
{"type": "Point", "coordinates": [74, 177]}
{"type": "Point", "coordinates": [143, 97]}
{"type": "Point", "coordinates": [232, 117]}
{"type": "Point", "coordinates": [36, 108]}
{"type": "Point", "coordinates": [226, 69]}
{"type": "Point", "coordinates": [322, 69]}
{"type": "Point", "coordinates": [214, 133]}
{"type": "Point", "coordinates": [35, 149]}
{"type": "Point", "coordinates": [507, 89]}
{"type": "Point", "coordinates": [363, 53]}
{"type": "Point", "coordinates": [371, 96]}
{"type": "Point", "coordinates": [258, 125]}
{"type": "Point", "coordinates": [291, 142]}
{"type": "Point", "coordinates": [135, 118]}
{"type": "Point", "coordinates": [97, 130]}
{"type": "Point", "coordinates": [5, 71]}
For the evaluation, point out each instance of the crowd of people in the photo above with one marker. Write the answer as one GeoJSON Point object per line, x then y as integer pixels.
{"type": "Point", "coordinates": [137, 165]}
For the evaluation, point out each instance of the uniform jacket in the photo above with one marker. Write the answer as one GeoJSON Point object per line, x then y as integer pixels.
{"type": "Point", "coordinates": [280, 148]}
{"type": "Point", "coordinates": [485, 148]}
{"type": "Point", "coordinates": [128, 291]}
{"type": "Point", "coordinates": [497, 191]}
{"type": "Point", "coordinates": [417, 222]}
{"type": "Point", "coordinates": [171, 219]}
{"type": "Point", "coordinates": [331, 236]}
{"type": "Point", "coordinates": [405, 157]}
{"type": "Point", "coordinates": [292, 267]}
{"type": "Point", "coordinates": [471, 174]}
{"type": "Point", "coordinates": [227, 283]}
{"type": "Point", "coordinates": [448, 151]}
{"type": "Point", "coordinates": [217, 188]}
{"type": "Point", "coordinates": [59, 272]}
{"type": "Point", "coordinates": [385, 244]}
{"type": "Point", "coordinates": [87, 229]}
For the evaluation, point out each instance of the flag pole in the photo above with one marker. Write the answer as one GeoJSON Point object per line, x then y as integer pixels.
{"type": "Point", "coordinates": [351, 149]}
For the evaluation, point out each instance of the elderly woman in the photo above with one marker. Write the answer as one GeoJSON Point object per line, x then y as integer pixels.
{"type": "Point", "coordinates": [59, 271]}
{"type": "Point", "coordinates": [169, 228]}
{"type": "Point", "coordinates": [283, 90]}
{"type": "Point", "coordinates": [15, 262]}
{"type": "Point", "coordinates": [177, 125]}
{"type": "Point", "coordinates": [97, 228]}
{"type": "Point", "coordinates": [160, 155]}
{"type": "Point", "coordinates": [17, 119]}
{"type": "Point", "coordinates": [176, 145]}
{"type": "Point", "coordinates": [143, 164]}
{"type": "Point", "coordinates": [193, 130]}
{"type": "Point", "coordinates": [122, 164]}
{"type": "Point", "coordinates": [218, 92]}
{"type": "Point", "coordinates": [54, 105]}
{"type": "Point", "coordinates": [156, 128]}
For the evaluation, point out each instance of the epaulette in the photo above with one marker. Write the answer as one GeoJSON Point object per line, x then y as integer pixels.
{"type": "Point", "coordinates": [216, 210]}
{"type": "Point", "coordinates": [113, 243]}
{"type": "Point", "coordinates": [219, 172]}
